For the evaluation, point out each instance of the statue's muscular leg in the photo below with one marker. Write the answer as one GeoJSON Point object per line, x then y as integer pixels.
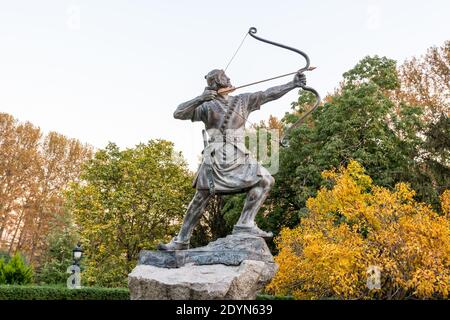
{"type": "Point", "coordinates": [191, 219]}
{"type": "Point", "coordinates": [255, 199]}
{"type": "Point", "coordinates": [193, 215]}
{"type": "Point", "coordinates": [246, 224]}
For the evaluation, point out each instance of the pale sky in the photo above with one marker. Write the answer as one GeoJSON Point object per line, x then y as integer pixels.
{"type": "Point", "coordinates": [115, 71]}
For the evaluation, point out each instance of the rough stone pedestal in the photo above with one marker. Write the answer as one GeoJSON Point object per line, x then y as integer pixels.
{"type": "Point", "coordinates": [231, 268]}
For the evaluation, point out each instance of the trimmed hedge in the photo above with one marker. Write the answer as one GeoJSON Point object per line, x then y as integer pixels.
{"type": "Point", "coordinates": [61, 293]}
{"type": "Point", "coordinates": [15, 292]}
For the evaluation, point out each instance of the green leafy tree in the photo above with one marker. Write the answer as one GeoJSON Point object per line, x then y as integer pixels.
{"type": "Point", "coordinates": [128, 200]}
{"type": "Point", "coordinates": [58, 256]}
{"type": "Point", "coordinates": [360, 121]}
{"type": "Point", "coordinates": [16, 271]}
{"type": "Point", "coordinates": [392, 120]}
{"type": "Point", "coordinates": [425, 82]}
{"type": "Point", "coordinates": [2, 271]}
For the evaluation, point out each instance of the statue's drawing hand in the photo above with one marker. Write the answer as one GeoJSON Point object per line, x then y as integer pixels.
{"type": "Point", "coordinates": [300, 80]}
{"type": "Point", "coordinates": [208, 95]}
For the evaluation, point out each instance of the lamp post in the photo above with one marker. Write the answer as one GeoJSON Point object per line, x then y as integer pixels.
{"type": "Point", "coordinates": [77, 253]}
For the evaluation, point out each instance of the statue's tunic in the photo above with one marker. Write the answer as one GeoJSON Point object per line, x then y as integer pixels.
{"type": "Point", "coordinates": [226, 161]}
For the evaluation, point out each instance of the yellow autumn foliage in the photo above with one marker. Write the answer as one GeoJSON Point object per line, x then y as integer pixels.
{"type": "Point", "coordinates": [357, 226]}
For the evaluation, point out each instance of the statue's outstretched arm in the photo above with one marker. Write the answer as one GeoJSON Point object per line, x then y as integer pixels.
{"type": "Point", "coordinates": [277, 92]}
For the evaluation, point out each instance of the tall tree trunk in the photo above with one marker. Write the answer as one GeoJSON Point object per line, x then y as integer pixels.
{"type": "Point", "coordinates": [11, 245]}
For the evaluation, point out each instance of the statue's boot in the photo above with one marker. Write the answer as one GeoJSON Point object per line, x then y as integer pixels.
{"type": "Point", "coordinates": [173, 245]}
{"type": "Point", "coordinates": [252, 230]}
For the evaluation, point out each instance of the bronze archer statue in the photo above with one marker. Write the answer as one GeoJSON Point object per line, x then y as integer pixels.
{"type": "Point", "coordinates": [227, 166]}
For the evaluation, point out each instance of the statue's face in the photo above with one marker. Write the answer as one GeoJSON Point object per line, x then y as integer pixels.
{"type": "Point", "coordinates": [223, 80]}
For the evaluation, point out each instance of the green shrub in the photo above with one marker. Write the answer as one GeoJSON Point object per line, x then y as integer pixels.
{"type": "Point", "coordinates": [2, 271]}
{"type": "Point", "coordinates": [57, 258]}
{"type": "Point", "coordinates": [5, 256]}
{"type": "Point", "coordinates": [53, 273]}
{"type": "Point", "coordinates": [11, 292]}
{"type": "Point", "coordinates": [16, 271]}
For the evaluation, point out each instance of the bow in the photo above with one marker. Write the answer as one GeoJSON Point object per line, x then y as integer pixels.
{"type": "Point", "coordinates": [252, 32]}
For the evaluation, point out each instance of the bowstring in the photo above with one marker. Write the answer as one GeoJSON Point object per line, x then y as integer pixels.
{"type": "Point", "coordinates": [236, 52]}
{"type": "Point", "coordinates": [229, 62]}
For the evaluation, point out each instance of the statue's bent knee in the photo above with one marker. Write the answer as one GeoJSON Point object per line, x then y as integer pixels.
{"type": "Point", "coordinates": [267, 182]}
